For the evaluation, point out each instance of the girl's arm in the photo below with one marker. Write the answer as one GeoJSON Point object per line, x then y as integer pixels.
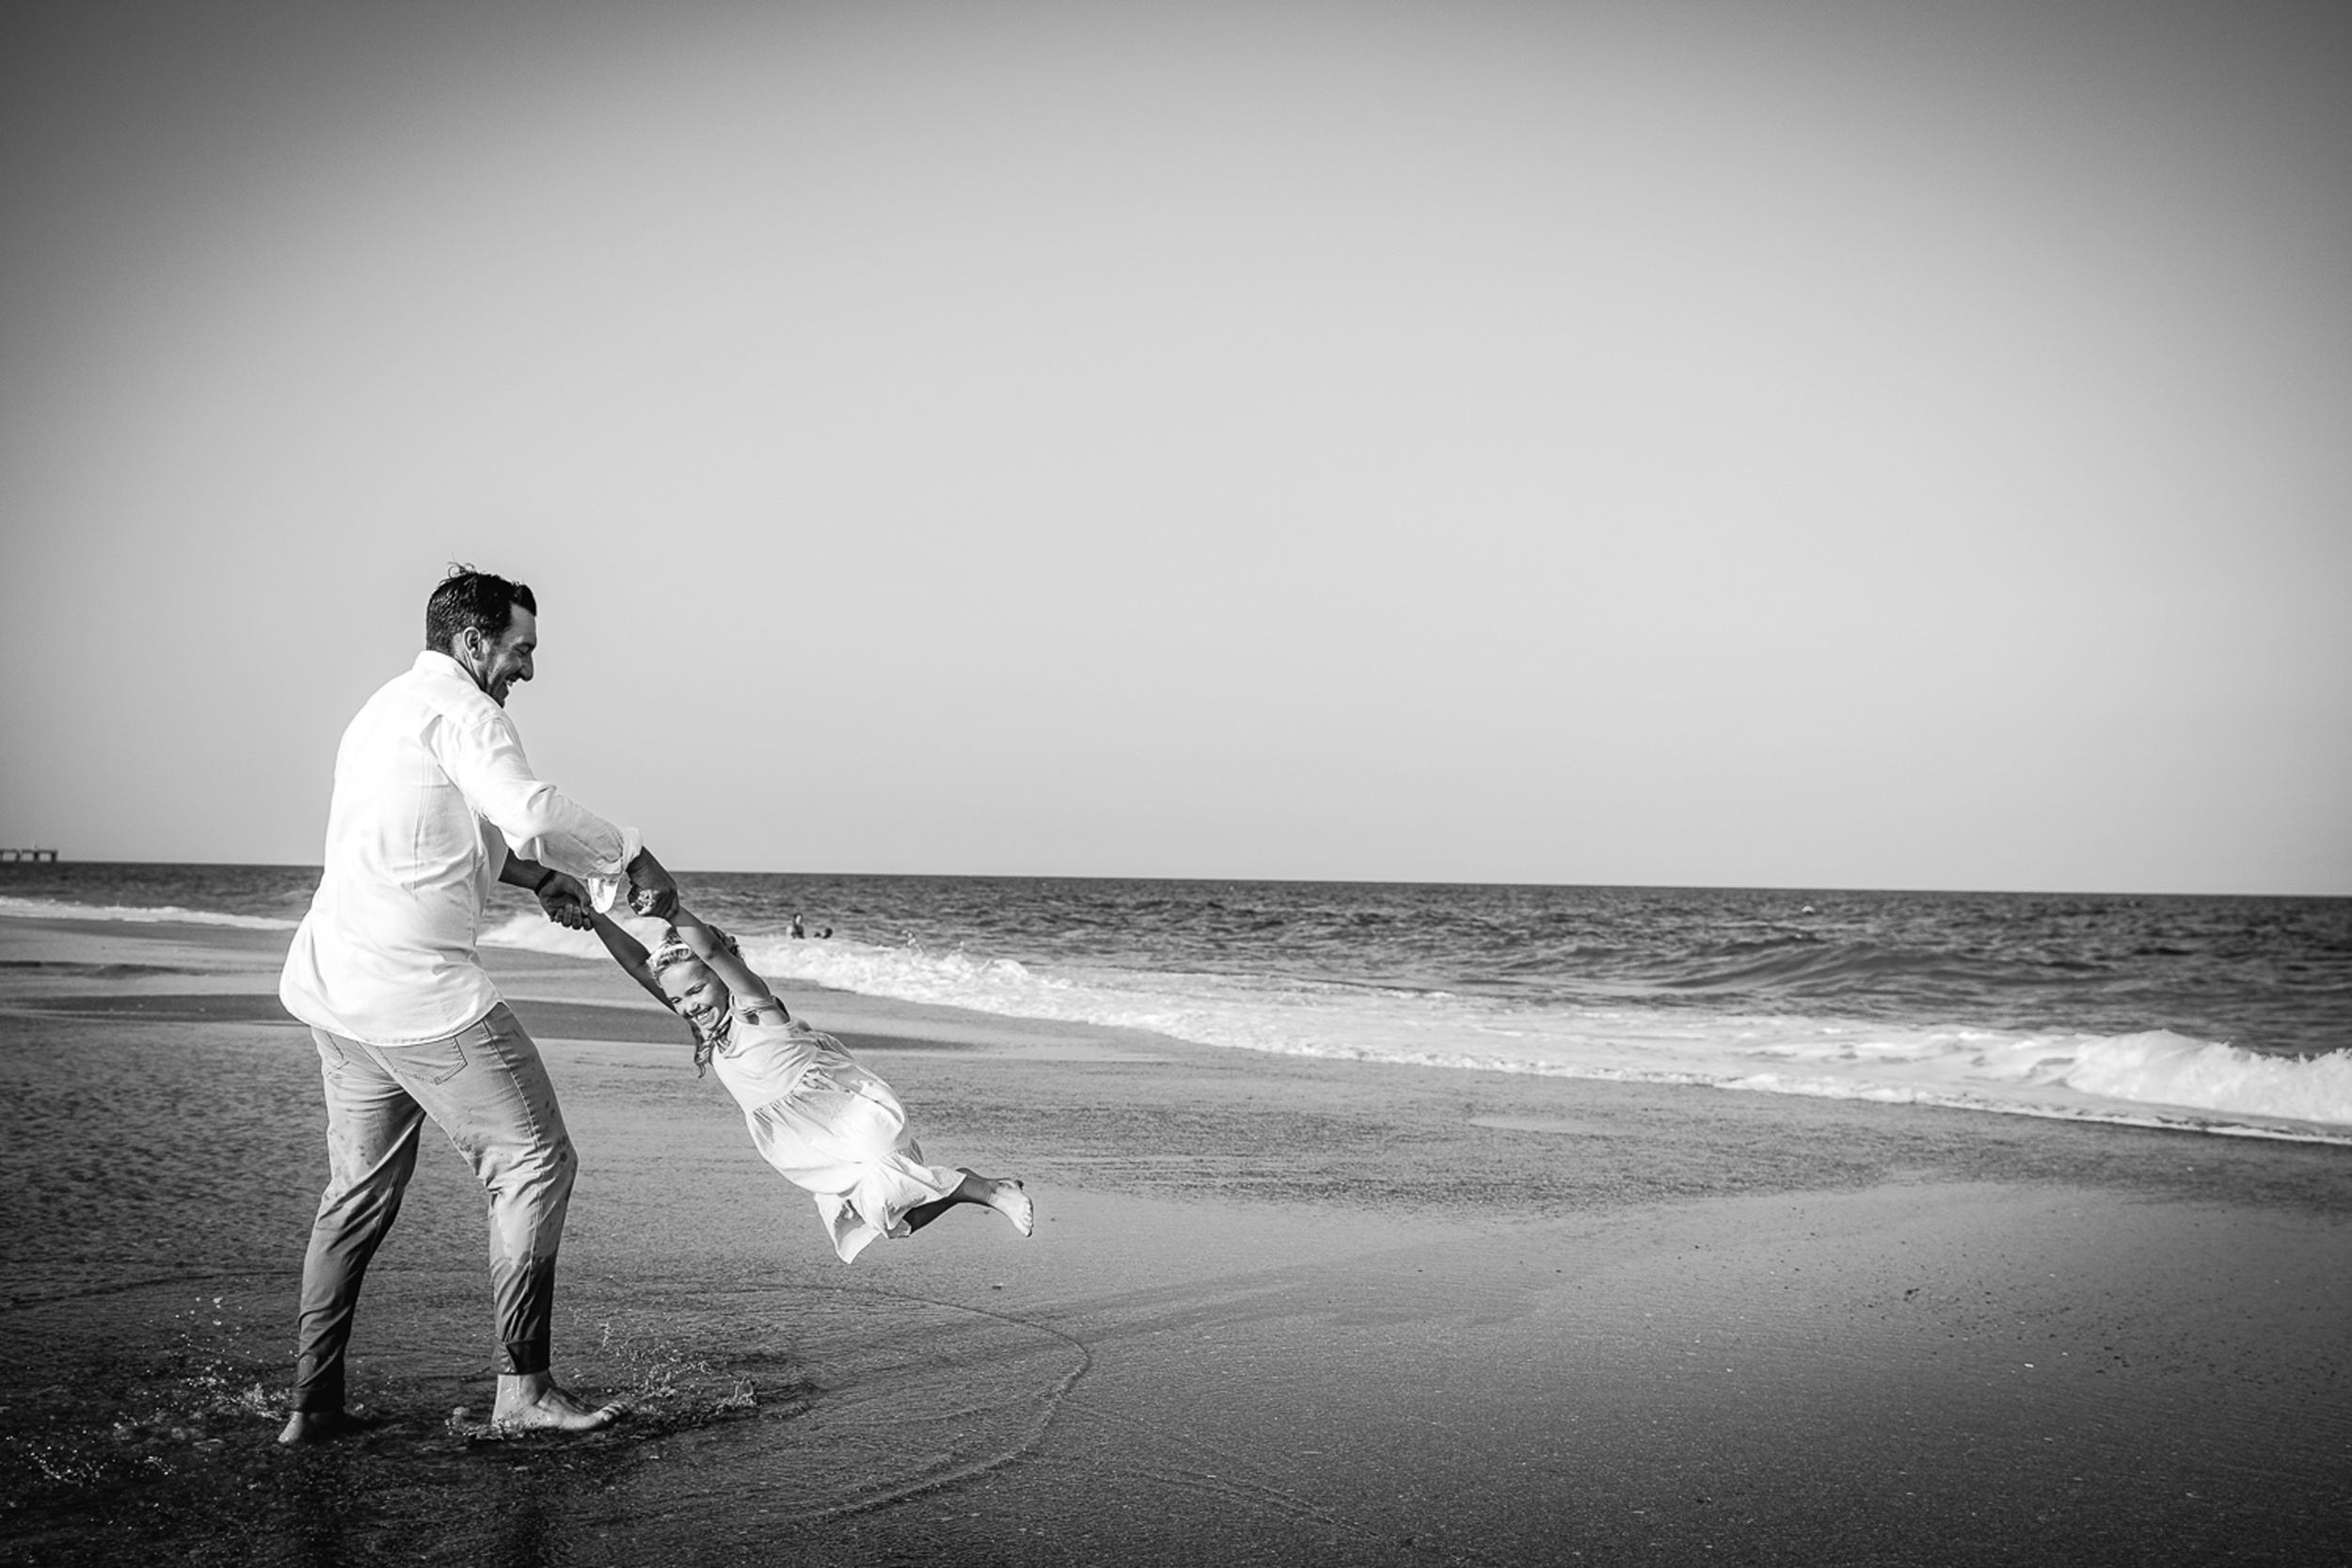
{"type": "Point", "coordinates": [630, 954]}
{"type": "Point", "coordinates": [751, 992]}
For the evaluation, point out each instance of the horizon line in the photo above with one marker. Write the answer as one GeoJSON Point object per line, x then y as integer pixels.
{"type": "Point", "coordinates": [1340, 881]}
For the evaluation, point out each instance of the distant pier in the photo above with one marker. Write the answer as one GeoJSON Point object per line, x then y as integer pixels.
{"type": "Point", "coordinates": [14, 857]}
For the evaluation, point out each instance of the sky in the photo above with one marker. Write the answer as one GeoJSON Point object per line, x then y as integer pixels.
{"type": "Point", "coordinates": [1771, 442]}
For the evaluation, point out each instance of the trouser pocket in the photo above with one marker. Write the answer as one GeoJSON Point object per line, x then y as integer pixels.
{"type": "Point", "coordinates": [438, 1061]}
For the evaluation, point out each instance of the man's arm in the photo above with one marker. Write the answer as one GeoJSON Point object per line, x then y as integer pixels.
{"type": "Point", "coordinates": [485, 761]}
{"type": "Point", "coordinates": [560, 894]}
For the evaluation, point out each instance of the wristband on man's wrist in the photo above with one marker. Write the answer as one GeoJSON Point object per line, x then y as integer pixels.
{"type": "Point", "coordinates": [545, 877]}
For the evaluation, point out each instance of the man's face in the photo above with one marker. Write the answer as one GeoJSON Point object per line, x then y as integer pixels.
{"type": "Point", "coordinates": [496, 666]}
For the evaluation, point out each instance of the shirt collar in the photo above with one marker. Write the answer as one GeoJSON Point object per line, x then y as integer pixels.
{"type": "Point", "coordinates": [435, 664]}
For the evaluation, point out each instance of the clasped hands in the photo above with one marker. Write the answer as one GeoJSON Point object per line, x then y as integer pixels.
{"type": "Point", "coordinates": [652, 893]}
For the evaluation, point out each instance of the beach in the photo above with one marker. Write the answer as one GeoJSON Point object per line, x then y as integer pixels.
{"type": "Point", "coordinates": [1277, 1308]}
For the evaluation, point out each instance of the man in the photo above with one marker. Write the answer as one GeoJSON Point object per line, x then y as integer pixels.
{"type": "Point", "coordinates": [434, 800]}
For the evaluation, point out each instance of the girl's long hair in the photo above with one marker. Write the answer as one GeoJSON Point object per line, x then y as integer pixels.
{"type": "Point", "coordinates": [703, 1045]}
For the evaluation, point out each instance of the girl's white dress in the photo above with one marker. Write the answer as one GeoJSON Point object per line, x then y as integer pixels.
{"type": "Point", "coordinates": [829, 1126]}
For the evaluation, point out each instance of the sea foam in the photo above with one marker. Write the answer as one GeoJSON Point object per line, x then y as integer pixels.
{"type": "Point", "coordinates": [44, 908]}
{"type": "Point", "coordinates": [2153, 1077]}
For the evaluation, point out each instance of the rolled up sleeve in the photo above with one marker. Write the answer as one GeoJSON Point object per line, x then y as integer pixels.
{"type": "Point", "coordinates": [485, 761]}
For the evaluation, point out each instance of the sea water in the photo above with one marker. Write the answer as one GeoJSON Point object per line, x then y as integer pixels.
{"type": "Point", "coordinates": [2221, 1014]}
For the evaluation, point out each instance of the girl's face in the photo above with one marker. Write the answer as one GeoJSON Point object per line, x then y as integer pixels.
{"type": "Point", "coordinates": [695, 994]}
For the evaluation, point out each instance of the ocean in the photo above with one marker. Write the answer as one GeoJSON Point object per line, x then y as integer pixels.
{"type": "Point", "coordinates": [2228, 1015]}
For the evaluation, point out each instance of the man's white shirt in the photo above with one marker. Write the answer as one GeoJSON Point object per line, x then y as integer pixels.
{"type": "Point", "coordinates": [432, 790]}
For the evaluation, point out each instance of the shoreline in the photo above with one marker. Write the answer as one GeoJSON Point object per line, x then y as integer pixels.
{"type": "Point", "coordinates": [1282, 1308]}
{"type": "Point", "coordinates": [2174, 1073]}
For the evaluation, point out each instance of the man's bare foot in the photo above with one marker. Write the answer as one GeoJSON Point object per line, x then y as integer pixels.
{"type": "Point", "coordinates": [320, 1426]}
{"type": "Point", "coordinates": [533, 1403]}
{"type": "Point", "coordinates": [311, 1426]}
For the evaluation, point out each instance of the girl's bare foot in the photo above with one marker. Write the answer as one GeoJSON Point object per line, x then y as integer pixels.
{"type": "Point", "coordinates": [1006, 1197]}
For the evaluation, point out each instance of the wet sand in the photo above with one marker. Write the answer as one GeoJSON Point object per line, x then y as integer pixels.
{"type": "Point", "coordinates": [1275, 1310]}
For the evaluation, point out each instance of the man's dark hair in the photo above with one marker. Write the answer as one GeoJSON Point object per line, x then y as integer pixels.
{"type": "Point", "coordinates": [476, 599]}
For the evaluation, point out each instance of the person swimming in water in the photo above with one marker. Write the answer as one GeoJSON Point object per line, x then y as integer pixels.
{"type": "Point", "coordinates": [826, 1123]}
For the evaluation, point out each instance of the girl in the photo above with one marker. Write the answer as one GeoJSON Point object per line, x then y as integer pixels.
{"type": "Point", "coordinates": [824, 1121]}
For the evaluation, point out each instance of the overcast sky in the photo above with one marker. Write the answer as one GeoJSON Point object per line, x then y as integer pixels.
{"type": "Point", "coordinates": [1782, 442]}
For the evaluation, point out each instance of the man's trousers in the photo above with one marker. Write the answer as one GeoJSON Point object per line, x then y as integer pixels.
{"type": "Point", "coordinates": [487, 1088]}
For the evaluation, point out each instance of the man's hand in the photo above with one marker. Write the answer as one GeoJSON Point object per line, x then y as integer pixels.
{"type": "Point", "coordinates": [566, 901]}
{"type": "Point", "coordinates": [559, 893]}
{"type": "Point", "coordinates": [651, 891]}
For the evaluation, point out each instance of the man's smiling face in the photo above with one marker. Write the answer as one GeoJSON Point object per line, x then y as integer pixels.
{"type": "Point", "coordinates": [496, 666]}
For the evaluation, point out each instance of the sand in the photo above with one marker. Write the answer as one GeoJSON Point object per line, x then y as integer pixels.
{"type": "Point", "coordinates": [1275, 1310]}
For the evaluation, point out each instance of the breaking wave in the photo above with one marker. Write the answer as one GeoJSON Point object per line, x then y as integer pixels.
{"type": "Point", "coordinates": [2150, 1077]}
{"type": "Point", "coordinates": [45, 908]}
